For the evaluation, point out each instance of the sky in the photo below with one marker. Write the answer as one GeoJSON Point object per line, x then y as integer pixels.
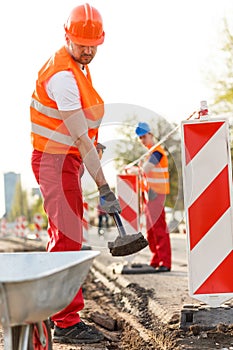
{"type": "Point", "coordinates": [155, 58]}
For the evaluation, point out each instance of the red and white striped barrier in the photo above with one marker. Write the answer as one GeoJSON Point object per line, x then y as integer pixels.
{"type": "Point", "coordinates": [85, 222]}
{"type": "Point", "coordinates": [21, 226]}
{"type": "Point", "coordinates": [207, 183]}
{"type": "Point", "coordinates": [17, 227]}
{"type": "Point", "coordinates": [38, 223]}
{"type": "Point", "coordinates": [3, 227]}
{"type": "Point", "coordinates": [127, 192]}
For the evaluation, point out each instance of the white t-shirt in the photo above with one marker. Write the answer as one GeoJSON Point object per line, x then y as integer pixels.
{"type": "Point", "coordinates": [62, 88]}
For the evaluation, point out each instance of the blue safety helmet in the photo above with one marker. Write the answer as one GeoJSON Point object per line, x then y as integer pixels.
{"type": "Point", "coordinates": [142, 129]}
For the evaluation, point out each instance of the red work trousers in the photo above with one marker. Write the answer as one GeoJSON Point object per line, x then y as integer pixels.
{"type": "Point", "coordinates": [157, 232]}
{"type": "Point", "coordinates": [58, 176]}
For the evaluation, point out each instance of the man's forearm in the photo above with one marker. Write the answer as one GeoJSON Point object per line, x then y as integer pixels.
{"type": "Point", "coordinates": [147, 167]}
{"type": "Point", "coordinates": [91, 159]}
{"type": "Point", "coordinates": [76, 123]}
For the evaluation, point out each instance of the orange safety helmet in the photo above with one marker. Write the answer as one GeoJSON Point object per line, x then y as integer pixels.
{"type": "Point", "coordinates": [85, 26]}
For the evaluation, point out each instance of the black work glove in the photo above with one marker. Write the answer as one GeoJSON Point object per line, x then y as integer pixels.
{"type": "Point", "coordinates": [108, 200]}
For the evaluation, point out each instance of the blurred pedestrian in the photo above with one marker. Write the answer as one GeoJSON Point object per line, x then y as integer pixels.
{"type": "Point", "coordinates": [102, 220]}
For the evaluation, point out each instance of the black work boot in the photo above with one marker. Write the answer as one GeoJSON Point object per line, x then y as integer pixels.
{"type": "Point", "coordinates": [76, 334]}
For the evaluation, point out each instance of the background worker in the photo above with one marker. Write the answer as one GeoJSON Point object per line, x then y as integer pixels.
{"type": "Point", "coordinates": [155, 168]}
{"type": "Point", "coordinates": [66, 112]}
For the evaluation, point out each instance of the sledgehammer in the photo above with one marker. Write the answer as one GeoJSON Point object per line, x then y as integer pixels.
{"type": "Point", "coordinates": [125, 244]}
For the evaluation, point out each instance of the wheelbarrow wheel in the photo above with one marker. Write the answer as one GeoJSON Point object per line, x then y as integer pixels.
{"type": "Point", "coordinates": [16, 330]}
{"type": "Point", "coordinates": [34, 341]}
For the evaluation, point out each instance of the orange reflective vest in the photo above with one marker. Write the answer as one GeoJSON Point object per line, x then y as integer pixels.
{"type": "Point", "coordinates": [48, 131]}
{"type": "Point", "coordinates": [158, 177]}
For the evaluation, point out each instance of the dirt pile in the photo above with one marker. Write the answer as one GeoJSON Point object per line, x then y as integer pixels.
{"type": "Point", "coordinates": [137, 329]}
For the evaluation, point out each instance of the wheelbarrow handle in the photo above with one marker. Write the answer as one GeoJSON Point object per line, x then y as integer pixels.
{"type": "Point", "coordinates": [119, 224]}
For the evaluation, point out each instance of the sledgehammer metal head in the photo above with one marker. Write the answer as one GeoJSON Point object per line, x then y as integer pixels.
{"type": "Point", "coordinates": [126, 244]}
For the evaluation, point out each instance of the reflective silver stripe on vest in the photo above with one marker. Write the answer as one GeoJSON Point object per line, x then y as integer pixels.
{"type": "Point", "coordinates": [55, 114]}
{"type": "Point", "coordinates": [93, 124]}
{"type": "Point", "coordinates": [48, 111]}
{"type": "Point", "coordinates": [159, 170]}
{"type": "Point", "coordinates": [52, 135]}
{"type": "Point", "coordinates": [152, 180]}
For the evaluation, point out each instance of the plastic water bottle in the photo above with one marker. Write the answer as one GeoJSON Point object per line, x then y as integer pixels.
{"type": "Point", "coordinates": [204, 112]}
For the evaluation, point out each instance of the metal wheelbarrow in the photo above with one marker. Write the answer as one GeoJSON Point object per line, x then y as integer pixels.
{"type": "Point", "coordinates": [33, 287]}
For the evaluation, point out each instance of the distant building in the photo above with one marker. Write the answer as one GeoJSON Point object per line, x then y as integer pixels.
{"type": "Point", "coordinates": [36, 191]}
{"type": "Point", "coordinates": [10, 181]}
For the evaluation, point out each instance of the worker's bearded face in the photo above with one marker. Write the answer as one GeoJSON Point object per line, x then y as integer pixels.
{"type": "Point", "coordinates": [82, 54]}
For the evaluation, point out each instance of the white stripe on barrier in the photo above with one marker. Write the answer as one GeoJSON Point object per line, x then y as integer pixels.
{"type": "Point", "coordinates": [127, 190]}
{"type": "Point", "coordinates": [207, 179]}
{"type": "Point", "coordinates": [209, 153]}
{"type": "Point", "coordinates": [203, 267]}
{"type": "Point", "coordinates": [126, 193]}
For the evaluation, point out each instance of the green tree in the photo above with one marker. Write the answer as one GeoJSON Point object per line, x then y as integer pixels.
{"type": "Point", "coordinates": [221, 79]}
{"type": "Point", "coordinates": [128, 149]}
{"type": "Point", "coordinates": [221, 76]}
{"type": "Point", "coordinates": [20, 204]}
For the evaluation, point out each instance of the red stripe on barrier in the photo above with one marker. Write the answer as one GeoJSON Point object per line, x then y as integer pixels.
{"type": "Point", "coordinates": [220, 281]}
{"type": "Point", "coordinates": [128, 214]}
{"type": "Point", "coordinates": [130, 180]}
{"type": "Point", "coordinates": [209, 207]}
{"type": "Point", "coordinates": [196, 136]}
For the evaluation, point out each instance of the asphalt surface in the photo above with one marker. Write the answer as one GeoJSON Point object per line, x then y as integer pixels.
{"type": "Point", "coordinates": [170, 289]}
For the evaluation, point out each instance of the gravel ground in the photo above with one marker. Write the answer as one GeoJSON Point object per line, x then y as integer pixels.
{"type": "Point", "coordinates": [140, 330]}
{"type": "Point", "coordinates": [135, 328]}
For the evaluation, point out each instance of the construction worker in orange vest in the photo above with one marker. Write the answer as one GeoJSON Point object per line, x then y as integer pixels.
{"type": "Point", "coordinates": [66, 112]}
{"type": "Point", "coordinates": [155, 168]}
